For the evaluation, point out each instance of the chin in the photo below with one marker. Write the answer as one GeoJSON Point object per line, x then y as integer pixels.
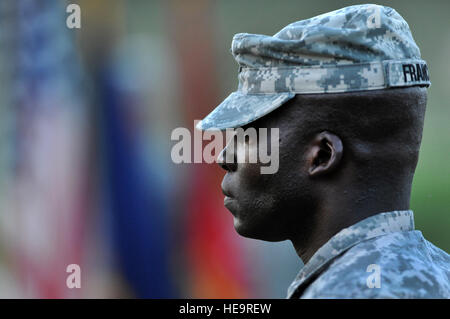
{"type": "Point", "coordinates": [252, 232]}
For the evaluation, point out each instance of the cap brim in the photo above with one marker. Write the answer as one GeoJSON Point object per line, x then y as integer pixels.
{"type": "Point", "coordinates": [239, 109]}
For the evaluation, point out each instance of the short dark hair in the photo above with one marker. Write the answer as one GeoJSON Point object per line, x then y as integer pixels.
{"type": "Point", "coordinates": [388, 120]}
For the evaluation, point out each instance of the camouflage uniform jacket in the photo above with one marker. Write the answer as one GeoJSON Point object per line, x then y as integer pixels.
{"type": "Point", "coordinates": [379, 257]}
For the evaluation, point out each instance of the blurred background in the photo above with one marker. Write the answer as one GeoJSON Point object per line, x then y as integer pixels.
{"type": "Point", "coordinates": [86, 175]}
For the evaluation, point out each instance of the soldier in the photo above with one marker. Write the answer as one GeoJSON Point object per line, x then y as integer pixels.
{"type": "Point", "coordinates": [347, 90]}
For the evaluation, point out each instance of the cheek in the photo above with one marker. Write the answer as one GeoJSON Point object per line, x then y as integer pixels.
{"type": "Point", "coordinates": [248, 164]}
{"type": "Point", "coordinates": [247, 152]}
{"type": "Point", "coordinates": [250, 177]}
{"type": "Point", "coordinates": [253, 185]}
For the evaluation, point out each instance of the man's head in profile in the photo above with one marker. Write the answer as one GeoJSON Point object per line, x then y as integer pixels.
{"type": "Point", "coordinates": [343, 157]}
{"type": "Point", "coordinates": [347, 91]}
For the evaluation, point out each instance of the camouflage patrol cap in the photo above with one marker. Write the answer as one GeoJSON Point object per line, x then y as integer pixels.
{"type": "Point", "coordinates": [356, 48]}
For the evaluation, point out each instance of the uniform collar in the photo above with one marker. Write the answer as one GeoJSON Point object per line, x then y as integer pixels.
{"type": "Point", "coordinates": [374, 226]}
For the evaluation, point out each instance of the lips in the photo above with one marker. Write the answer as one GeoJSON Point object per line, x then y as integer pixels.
{"type": "Point", "coordinates": [230, 204]}
{"type": "Point", "coordinates": [226, 193]}
{"type": "Point", "coordinates": [229, 201]}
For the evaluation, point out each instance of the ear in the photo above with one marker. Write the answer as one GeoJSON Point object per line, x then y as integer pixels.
{"type": "Point", "coordinates": [325, 154]}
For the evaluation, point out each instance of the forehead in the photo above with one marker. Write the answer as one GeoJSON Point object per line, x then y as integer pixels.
{"type": "Point", "coordinates": [288, 116]}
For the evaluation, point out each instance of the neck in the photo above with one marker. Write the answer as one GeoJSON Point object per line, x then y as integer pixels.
{"type": "Point", "coordinates": [339, 211]}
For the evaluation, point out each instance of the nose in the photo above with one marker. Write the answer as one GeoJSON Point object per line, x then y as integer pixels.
{"type": "Point", "coordinates": [227, 158]}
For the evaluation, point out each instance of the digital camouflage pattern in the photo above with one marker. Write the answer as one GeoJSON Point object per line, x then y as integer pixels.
{"type": "Point", "coordinates": [361, 47]}
{"type": "Point", "coordinates": [409, 265]}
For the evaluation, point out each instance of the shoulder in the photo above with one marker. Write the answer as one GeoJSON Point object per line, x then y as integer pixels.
{"type": "Point", "coordinates": [398, 265]}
